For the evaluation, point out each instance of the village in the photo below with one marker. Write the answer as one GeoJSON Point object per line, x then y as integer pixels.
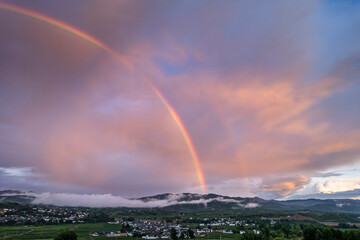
{"type": "Point", "coordinates": [139, 228]}
{"type": "Point", "coordinates": [160, 229]}
{"type": "Point", "coordinates": [41, 215]}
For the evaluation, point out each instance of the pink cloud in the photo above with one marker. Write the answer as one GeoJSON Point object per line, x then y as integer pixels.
{"type": "Point", "coordinates": [251, 97]}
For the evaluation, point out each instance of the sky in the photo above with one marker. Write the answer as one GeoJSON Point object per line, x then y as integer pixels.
{"type": "Point", "coordinates": [134, 98]}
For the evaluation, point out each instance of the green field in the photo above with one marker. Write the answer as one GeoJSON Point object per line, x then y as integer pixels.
{"type": "Point", "coordinates": [82, 230]}
{"type": "Point", "coordinates": [50, 231]}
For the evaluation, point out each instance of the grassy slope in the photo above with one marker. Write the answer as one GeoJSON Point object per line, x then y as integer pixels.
{"type": "Point", "coordinates": [82, 230]}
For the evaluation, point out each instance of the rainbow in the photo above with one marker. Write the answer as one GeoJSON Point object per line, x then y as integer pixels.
{"type": "Point", "coordinates": [185, 134]}
{"type": "Point", "coordinates": [129, 65]}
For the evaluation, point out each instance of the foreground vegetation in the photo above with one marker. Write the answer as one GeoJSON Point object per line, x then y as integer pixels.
{"type": "Point", "coordinates": [279, 231]}
{"type": "Point", "coordinates": [43, 222]}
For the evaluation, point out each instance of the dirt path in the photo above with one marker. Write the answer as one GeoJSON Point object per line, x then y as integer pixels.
{"type": "Point", "coordinates": [306, 218]}
{"type": "Point", "coordinates": [17, 235]}
{"type": "Point", "coordinates": [73, 228]}
{"type": "Point", "coordinates": [337, 223]}
{"type": "Point", "coordinates": [333, 224]}
{"type": "Point", "coordinates": [31, 230]}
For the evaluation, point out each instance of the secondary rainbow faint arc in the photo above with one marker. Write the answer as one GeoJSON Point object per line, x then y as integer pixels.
{"type": "Point", "coordinates": [128, 64]}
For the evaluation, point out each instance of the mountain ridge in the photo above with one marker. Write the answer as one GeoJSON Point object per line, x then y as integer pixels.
{"type": "Point", "coordinates": [183, 202]}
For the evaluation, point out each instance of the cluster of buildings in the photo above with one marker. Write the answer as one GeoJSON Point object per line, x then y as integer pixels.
{"type": "Point", "coordinates": [222, 222]}
{"type": "Point", "coordinates": [41, 215]}
{"type": "Point", "coordinates": [140, 228]}
{"type": "Point", "coordinates": [147, 229]}
{"type": "Point", "coordinates": [160, 229]}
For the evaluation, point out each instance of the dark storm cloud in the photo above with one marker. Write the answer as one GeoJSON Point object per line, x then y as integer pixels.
{"type": "Point", "coordinates": [328, 174]}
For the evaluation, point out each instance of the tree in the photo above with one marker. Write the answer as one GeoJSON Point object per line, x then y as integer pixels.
{"type": "Point", "coordinates": [249, 235]}
{"type": "Point", "coordinates": [310, 233]}
{"type": "Point", "coordinates": [173, 234]}
{"type": "Point", "coordinates": [137, 235]}
{"type": "Point", "coordinates": [66, 235]}
{"type": "Point", "coordinates": [191, 233]}
{"type": "Point", "coordinates": [126, 228]}
{"type": "Point", "coordinates": [266, 232]}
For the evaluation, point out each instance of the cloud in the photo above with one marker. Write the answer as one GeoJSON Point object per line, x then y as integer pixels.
{"type": "Point", "coordinates": [354, 194]}
{"type": "Point", "coordinates": [24, 178]}
{"type": "Point", "coordinates": [339, 182]}
{"type": "Point", "coordinates": [263, 92]}
{"type": "Point", "coordinates": [109, 200]}
{"type": "Point", "coordinates": [338, 185]}
{"type": "Point", "coordinates": [328, 174]}
{"type": "Point", "coordinates": [340, 205]}
{"type": "Point", "coordinates": [276, 188]}
{"type": "Point", "coordinates": [17, 172]}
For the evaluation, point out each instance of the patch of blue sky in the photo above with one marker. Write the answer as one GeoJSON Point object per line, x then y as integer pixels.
{"type": "Point", "coordinates": [177, 69]}
{"type": "Point", "coordinates": [113, 105]}
{"type": "Point", "coordinates": [335, 36]}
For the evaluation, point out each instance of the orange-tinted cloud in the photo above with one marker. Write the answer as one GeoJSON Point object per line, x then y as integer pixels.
{"type": "Point", "coordinates": [282, 187]}
{"type": "Point", "coordinates": [257, 93]}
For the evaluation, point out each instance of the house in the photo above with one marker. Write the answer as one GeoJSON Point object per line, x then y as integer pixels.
{"type": "Point", "coordinates": [149, 237]}
{"type": "Point", "coordinates": [117, 235]}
